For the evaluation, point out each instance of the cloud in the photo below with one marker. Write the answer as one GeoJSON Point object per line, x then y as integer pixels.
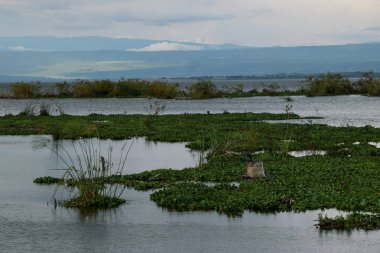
{"type": "Point", "coordinates": [24, 49]}
{"type": "Point", "coordinates": [167, 46]}
{"type": "Point", "coordinates": [19, 48]}
{"type": "Point", "coordinates": [246, 22]}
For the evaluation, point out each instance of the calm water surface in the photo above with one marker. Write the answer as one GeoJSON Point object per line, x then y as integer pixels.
{"type": "Point", "coordinates": [142, 155]}
{"type": "Point", "coordinates": [28, 224]}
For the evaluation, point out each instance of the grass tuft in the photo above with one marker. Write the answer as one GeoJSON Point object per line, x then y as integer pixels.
{"type": "Point", "coordinates": [85, 171]}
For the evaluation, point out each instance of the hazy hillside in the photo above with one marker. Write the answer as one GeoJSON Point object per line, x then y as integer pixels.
{"type": "Point", "coordinates": [87, 58]}
{"type": "Point", "coordinates": [94, 43]}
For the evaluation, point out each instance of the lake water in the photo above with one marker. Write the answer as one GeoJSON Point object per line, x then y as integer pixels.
{"type": "Point", "coordinates": [28, 224]}
{"type": "Point", "coordinates": [142, 155]}
{"type": "Point", "coordinates": [353, 110]}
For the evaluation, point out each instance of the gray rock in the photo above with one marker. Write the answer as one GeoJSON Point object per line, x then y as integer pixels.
{"type": "Point", "coordinates": [255, 169]}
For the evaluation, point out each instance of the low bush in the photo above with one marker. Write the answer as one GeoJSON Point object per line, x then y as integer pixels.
{"type": "Point", "coordinates": [328, 84]}
{"type": "Point", "coordinates": [202, 90]}
{"type": "Point", "coordinates": [25, 90]}
{"type": "Point", "coordinates": [369, 84]}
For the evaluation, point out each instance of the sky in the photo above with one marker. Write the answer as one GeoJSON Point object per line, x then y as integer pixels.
{"type": "Point", "coordinates": [243, 22]}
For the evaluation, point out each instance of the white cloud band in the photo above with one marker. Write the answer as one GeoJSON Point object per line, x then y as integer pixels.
{"type": "Point", "coordinates": [167, 46]}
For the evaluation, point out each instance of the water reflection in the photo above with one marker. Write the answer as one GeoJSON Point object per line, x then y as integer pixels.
{"type": "Point", "coordinates": [87, 214]}
{"type": "Point", "coordinates": [327, 233]}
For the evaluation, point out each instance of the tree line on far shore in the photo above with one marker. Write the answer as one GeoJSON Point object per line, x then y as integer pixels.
{"type": "Point", "coordinates": [328, 84]}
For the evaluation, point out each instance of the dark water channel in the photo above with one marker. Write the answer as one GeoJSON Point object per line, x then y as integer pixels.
{"type": "Point", "coordinates": [28, 224]}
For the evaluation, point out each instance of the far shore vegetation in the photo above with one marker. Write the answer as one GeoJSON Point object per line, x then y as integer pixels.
{"type": "Point", "coordinates": [328, 84]}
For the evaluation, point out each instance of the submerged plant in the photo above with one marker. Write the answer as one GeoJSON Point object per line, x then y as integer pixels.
{"type": "Point", "coordinates": [45, 108]}
{"type": "Point", "coordinates": [155, 108]}
{"type": "Point", "coordinates": [285, 144]}
{"type": "Point", "coordinates": [85, 172]}
{"type": "Point", "coordinates": [41, 108]}
{"type": "Point", "coordinates": [28, 110]}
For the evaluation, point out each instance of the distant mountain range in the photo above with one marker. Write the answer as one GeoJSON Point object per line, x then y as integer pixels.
{"type": "Point", "coordinates": [41, 57]}
{"type": "Point", "coordinates": [93, 43]}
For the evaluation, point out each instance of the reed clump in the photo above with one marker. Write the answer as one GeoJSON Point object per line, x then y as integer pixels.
{"type": "Point", "coordinates": [86, 169]}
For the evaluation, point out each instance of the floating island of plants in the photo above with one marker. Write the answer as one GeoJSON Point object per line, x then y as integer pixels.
{"type": "Point", "coordinates": [347, 177]}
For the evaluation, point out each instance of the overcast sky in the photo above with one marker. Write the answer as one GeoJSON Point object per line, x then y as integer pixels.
{"type": "Point", "coordinates": [245, 22]}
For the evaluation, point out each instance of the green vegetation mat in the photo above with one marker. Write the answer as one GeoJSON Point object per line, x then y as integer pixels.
{"type": "Point", "coordinates": [351, 221]}
{"type": "Point", "coordinates": [346, 178]}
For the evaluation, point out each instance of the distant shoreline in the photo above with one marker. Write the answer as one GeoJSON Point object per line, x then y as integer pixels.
{"type": "Point", "coordinates": [328, 84]}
